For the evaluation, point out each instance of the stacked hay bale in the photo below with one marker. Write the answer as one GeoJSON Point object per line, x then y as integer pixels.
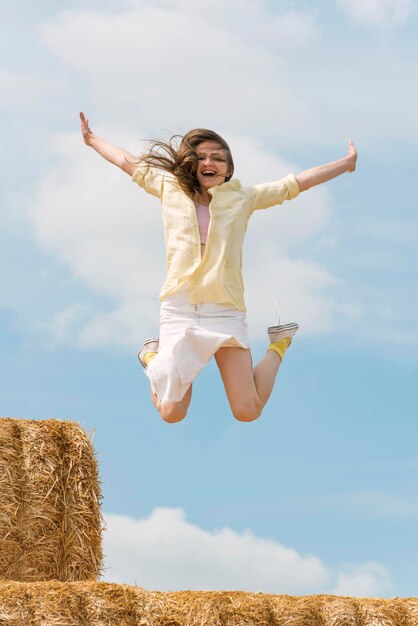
{"type": "Point", "coordinates": [96, 604]}
{"type": "Point", "coordinates": [50, 520]}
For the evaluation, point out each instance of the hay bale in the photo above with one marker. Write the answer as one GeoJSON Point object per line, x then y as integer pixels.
{"type": "Point", "coordinates": [99, 604]}
{"type": "Point", "coordinates": [50, 520]}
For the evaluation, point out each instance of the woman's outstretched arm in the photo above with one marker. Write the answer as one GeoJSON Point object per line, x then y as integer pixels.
{"type": "Point", "coordinates": [118, 156]}
{"type": "Point", "coordinates": [322, 173]}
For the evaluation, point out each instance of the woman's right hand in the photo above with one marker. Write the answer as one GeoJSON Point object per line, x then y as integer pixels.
{"type": "Point", "coordinates": [118, 156]}
{"type": "Point", "coordinates": [85, 130]}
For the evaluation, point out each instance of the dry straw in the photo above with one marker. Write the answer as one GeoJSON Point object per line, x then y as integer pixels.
{"type": "Point", "coordinates": [100, 604]}
{"type": "Point", "coordinates": [50, 520]}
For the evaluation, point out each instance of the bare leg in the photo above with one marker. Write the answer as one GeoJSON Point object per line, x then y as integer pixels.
{"type": "Point", "coordinates": [265, 374]}
{"type": "Point", "coordinates": [173, 411]}
{"type": "Point", "coordinates": [247, 390]}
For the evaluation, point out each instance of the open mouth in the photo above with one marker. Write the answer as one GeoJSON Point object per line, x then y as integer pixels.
{"type": "Point", "coordinates": [208, 173]}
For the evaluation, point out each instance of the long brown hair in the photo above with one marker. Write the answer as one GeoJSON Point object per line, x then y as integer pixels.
{"type": "Point", "coordinates": [179, 157]}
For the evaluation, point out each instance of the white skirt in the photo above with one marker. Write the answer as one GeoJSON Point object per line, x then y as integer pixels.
{"type": "Point", "coordinates": [189, 336]}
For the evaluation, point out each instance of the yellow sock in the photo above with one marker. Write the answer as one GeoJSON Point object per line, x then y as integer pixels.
{"type": "Point", "coordinates": [280, 347]}
{"type": "Point", "coordinates": [148, 356]}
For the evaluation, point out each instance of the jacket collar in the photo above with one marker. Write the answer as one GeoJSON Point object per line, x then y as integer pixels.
{"type": "Point", "coordinates": [230, 184]}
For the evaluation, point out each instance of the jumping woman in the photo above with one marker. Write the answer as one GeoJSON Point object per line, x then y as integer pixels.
{"type": "Point", "coordinates": [205, 214]}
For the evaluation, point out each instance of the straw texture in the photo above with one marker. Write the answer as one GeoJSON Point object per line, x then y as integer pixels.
{"type": "Point", "coordinates": [96, 603]}
{"type": "Point", "coordinates": [50, 520]}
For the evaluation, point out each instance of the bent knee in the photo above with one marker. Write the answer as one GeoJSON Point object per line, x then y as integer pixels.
{"type": "Point", "coordinates": [247, 411]}
{"type": "Point", "coordinates": [171, 412]}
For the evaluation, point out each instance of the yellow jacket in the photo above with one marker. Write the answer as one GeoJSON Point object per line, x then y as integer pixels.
{"type": "Point", "coordinates": [217, 276]}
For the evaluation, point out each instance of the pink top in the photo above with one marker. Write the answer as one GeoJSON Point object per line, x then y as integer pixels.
{"type": "Point", "coordinates": [203, 219]}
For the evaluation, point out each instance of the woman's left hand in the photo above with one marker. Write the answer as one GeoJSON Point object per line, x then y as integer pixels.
{"type": "Point", "coordinates": [352, 156]}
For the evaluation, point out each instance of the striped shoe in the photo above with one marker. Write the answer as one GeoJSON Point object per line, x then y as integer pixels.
{"type": "Point", "coordinates": [276, 333]}
{"type": "Point", "coordinates": [150, 345]}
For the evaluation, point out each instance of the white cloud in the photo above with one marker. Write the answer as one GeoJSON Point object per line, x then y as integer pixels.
{"type": "Point", "coordinates": [239, 65]}
{"type": "Point", "coordinates": [127, 325]}
{"type": "Point", "coordinates": [8, 83]}
{"type": "Point", "coordinates": [61, 326]}
{"type": "Point", "coordinates": [379, 11]}
{"type": "Point", "coordinates": [369, 579]}
{"type": "Point", "coordinates": [285, 31]}
{"type": "Point", "coordinates": [108, 232]}
{"type": "Point", "coordinates": [166, 552]}
{"type": "Point", "coordinates": [17, 89]}
{"type": "Point", "coordinates": [207, 61]}
{"type": "Point", "coordinates": [304, 291]}
{"type": "Point", "coordinates": [88, 214]}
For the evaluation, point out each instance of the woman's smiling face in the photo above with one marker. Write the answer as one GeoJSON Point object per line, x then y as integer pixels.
{"type": "Point", "coordinates": [212, 166]}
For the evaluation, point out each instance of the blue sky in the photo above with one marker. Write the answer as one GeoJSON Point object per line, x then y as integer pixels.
{"type": "Point", "coordinates": [320, 494]}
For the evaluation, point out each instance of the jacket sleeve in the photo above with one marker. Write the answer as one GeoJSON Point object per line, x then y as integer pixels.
{"type": "Point", "coordinates": [269, 194]}
{"type": "Point", "coordinates": [149, 178]}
